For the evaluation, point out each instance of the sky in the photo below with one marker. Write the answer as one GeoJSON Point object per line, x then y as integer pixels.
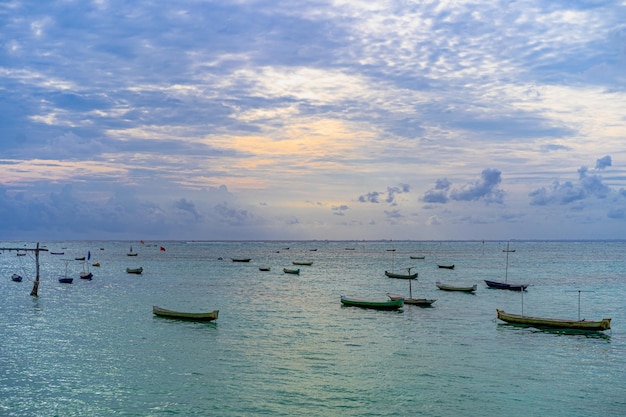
{"type": "Point", "coordinates": [312, 119]}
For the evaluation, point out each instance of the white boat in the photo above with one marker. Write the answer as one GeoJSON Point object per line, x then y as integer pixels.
{"type": "Point", "coordinates": [447, 287]}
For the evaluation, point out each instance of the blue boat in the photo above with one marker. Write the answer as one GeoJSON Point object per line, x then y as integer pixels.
{"type": "Point", "coordinates": [16, 278]}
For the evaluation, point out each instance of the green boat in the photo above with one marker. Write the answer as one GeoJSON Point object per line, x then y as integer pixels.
{"type": "Point", "coordinates": [541, 322]}
{"type": "Point", "coordinates": [162, 312]}
{"type": "Point", "coordinates": [291, 271]}
{"type": "Point", "coordinates": [377, 305]}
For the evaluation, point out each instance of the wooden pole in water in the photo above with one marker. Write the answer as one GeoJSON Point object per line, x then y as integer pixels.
{"type": "Point", "coordinates": [35, 290]}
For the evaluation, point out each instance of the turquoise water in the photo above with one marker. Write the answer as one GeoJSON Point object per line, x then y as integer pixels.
{"type": "Point", "coordinates": [284, 345]}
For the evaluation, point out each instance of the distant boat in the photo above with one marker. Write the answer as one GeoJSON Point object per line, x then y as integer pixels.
{"type": "Point", "coordinates": [96, 264]}
{"type": "Point", "coordinates": [86, 274]}
{"type": "Point", "coordinates": [446, 266]}
{"type": "Point", "coordinates": [21, 254]}
{"type": "Point", "coordinates": [401, 276]}
{"type": "Point", "coordinates": [377, 305]}
{"type": "Point", "coordinates": [264, 268]}
{"type": "Point", "coordinates": [57, 253]}
{"type": "Point", "coordinates": [131, 253]}
{"type": "Point", "coordinates": [447, 287]}
{"type": "Point", "coordinates": [291, 271]}
{"type": "Point", "coordinates": [417, 257]}
{"type": "Point", "coordinates": [504, 285]}
{"type": "Point", "coordinates": [134, 270]}
{"type": "Point", "coordinates": [80, 259]}
{"type": "Point", "coordinates": [307, 263]}
{"type": "Point", "coordinates": [16, 278]}
{"type": "Point", "coordinates": [207, 316]}
{"type": "Point", "coordinates": [65, 279]}
{"type": "Point", "coordinates": [540, 322]}
{"type": "Point", "coordinates": [241, 259]}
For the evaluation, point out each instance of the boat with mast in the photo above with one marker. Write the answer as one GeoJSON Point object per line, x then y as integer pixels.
{"type": "Point", "coordinates": [505, 285]}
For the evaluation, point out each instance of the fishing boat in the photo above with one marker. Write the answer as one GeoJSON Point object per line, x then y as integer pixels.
{"type": "Point", "coordinates": [16, 278]}
{"type": "Point", "coordinates": [447, 287]}
{"type": "Point", "coordinates": [96, 264]}
{"type": "Point", "coordinates": [66, 280]}
{"type": "Point", "coordinates": [408, 275]}
{"type": "Point", "coordinates": [306, 263]}
{"type": "Point", "coordinates": [264, 268]}
{"type": "Point", "coordinates": [241, 259]}
{"type": "Point", "coordinates": [540, 322]}
{"type": "Point", "coordinates": [134, 270]}
{"type": "Point", "coordinates": [505, 285]}
{"type": "Point", "coordinates": [131, 253]}
{"type": "Point", "coordinates": [163, 312]}
{"type": "Point", "coordinates": [57, 253]}
{"type": "Point", "coordinates": [81, 258]}
{"type": "Point", "coordinates": [423, 302]}
{"type": "Point", "coordinates": [417, 257]}
{"type": "Point", "coordinates": [446, 266]}
{"type": "Point", "coordinates": [291, 271]}
{"type": "Point", "coordinates": [377, 305]}
{"type": "Point", "coordinates": [86, 274]}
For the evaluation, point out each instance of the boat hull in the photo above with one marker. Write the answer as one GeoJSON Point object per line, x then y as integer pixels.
{"type": "Point", "coordinates": [291, 271]}
{"type": "Point", "coordinates": [424, 302]}
{"type": "Point", "coordinates": [505, 286]}
{"type": "Point", "coordinates": [446, 287]}
{"type": "Point", "coordinates": [66, 280]}
{"type": "Point", "coordinates": [207, 316]}
{"type": "Point", "coordinates": [134, 270]}
{"type": "Point", "coordinates": [400, 276]}
{"type": "Point", "coordinates": [539, 322]}
{"type": "Point", "coordinates": [446, 266]}
{"type": "Point", "coordinates": [16, 278]}
{"type": "Point", "coordinates": [376, 305]}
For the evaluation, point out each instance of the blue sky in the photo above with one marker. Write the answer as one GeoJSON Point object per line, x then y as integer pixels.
{"type": "Point", "coordinates": [312, 119]}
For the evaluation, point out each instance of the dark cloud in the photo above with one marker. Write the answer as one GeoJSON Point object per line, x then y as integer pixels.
{"type": "Point", "coordinates": [339, 210]}
{"type": "Point", "coordinates": [484, 189]}
{"type": "Point", "coordinates": [588, 185]}
{"type": "Point", "coordinates": [188, 206]}
{"type": "Point", "coordinates": [233, 216]}
{"type": "Point", "coordinates": [374, 196]}
{"type": "Point", "coordinates": [603, 162]}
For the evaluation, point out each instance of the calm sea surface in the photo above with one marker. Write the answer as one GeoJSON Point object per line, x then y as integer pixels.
{"type": "Point", "coordinates": [284, 346]}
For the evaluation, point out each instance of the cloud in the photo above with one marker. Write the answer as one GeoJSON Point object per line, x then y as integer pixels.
{"type": "Point", "coordinates": [484, 189]}
{"type": "Point", "coordinates": [339, 210]}
{"type": "Point", "coordinates": [188, 206]}
{"type": "Point", "coordinates": [603, 162]}
{"type": "Point", "coordinates": [564, 193]}
{"type": "Point", "coordinates": [374, 196]}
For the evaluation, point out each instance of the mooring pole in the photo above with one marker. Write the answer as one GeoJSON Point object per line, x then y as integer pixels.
{"type": "Point", "coordinates": [35, 290]}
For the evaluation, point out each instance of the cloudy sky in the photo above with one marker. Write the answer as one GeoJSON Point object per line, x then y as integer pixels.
{"type": "Point", "coordinates": [312, 119]}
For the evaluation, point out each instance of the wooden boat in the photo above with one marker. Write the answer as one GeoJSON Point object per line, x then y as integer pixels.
{"type": "Point", "coordinates": [16, 278]}
{"type": "Point", "coordinates": [96, 264]}
{"type": "Point", "coordinates": [504, 285]}
{"type": "Point", "coordinates": [86, 274]}
{"type": "Point", "coordinates": [417, 257]}
{"type": "Point", "coordinates": [264, 268]}
{"type": "Point", "coordinates": [80, 258]}
{"type": "Point", "coordinates": [241, 259]}
{"type": "Point", "coordinates": [408, 275]}
{"type": "Point", "coordinates": [131, 253]}
{"type": "Point", "coordinates": [424, 302]}
{"type": "Point", "coordinates": [446, 266]}
{"type": "Point", "coordinates": [291, 271]}
{"type": "Point", "coordinates": [57, 253]}
{"type": "Point", "coordinates": [447, 287]}
{"type": "Point", "coordinates": [21, 254]}
{"type": "Point", "coordinates": [162, 312]}
{"type": "Point", "coordinates": [539, 322]}
{"type": "Point", "coordinates": [134, 270]}
{"type": "Point", "coordinates": [66, 280]}
{"type": "Point", "coordinates": [377, 305]}
{"type": "Point", "coordinates": [307, 263]}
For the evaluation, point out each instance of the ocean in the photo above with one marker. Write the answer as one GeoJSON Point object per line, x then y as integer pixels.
{"type": "Point", "coordinates": [283, 345]}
